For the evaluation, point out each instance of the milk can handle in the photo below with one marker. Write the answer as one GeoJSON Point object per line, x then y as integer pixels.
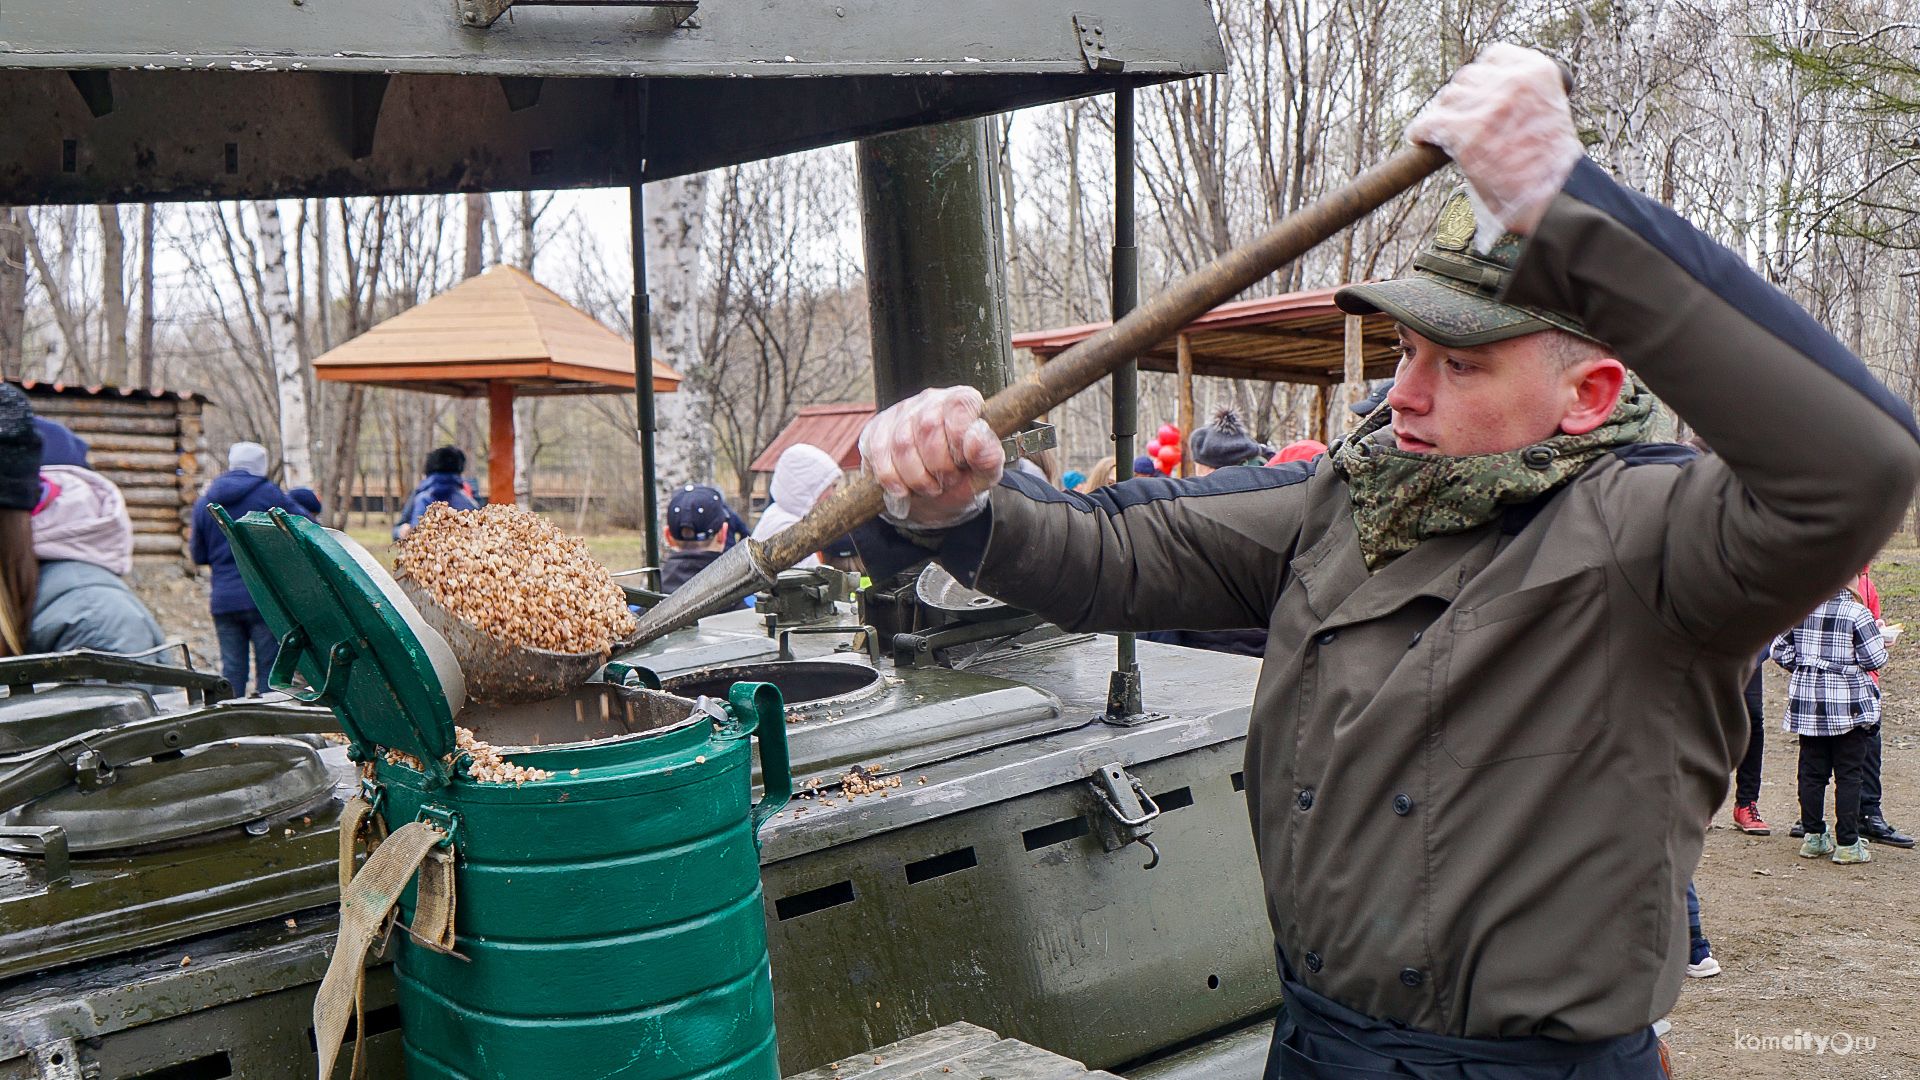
{"type": "Point", "coordinates": [759, 708]}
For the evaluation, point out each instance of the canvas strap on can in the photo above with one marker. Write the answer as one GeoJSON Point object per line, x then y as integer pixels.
{"type": "Point", "coordinates": [367, 901]}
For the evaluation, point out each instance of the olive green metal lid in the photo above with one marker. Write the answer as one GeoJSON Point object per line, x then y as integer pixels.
{"type": "Point", "coordinates": [344, 625]}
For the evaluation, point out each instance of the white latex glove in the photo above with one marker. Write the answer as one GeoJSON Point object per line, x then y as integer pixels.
{"type": "Point", "coordinates": [935, 456]}
{"type": "Point", "coordinates": [1505, 121]}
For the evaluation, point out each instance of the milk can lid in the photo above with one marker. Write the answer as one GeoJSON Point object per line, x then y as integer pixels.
{"type": "Point", "coordinates": [357, 641]}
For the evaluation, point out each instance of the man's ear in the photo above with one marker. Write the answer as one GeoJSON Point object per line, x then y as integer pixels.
{"type": "Point", "coordinates": [1594, 387]}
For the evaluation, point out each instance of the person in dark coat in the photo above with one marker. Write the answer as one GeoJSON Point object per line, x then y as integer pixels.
{"type": "Point", "coordinates": [58, 446]}
{"type": "Point", "coordinates": [442, 484]}
{"type": "Point", "coordinates": [307, 499]}
{"type": "Point", "coordinates": [699, 528]}
{"type": "Point", "coordinates": [242, 489]}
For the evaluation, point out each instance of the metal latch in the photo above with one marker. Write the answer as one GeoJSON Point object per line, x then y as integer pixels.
{"type": "Point", "coordinates": [1129, 811]}
{"type": "Point", "coordinates": [483, 13]}
{"type": "Point", "coordinates": [1031, 439]}
{"type": "Point", "coordinates": [1093, 44]}
{"type": "Point", "coordinates": [445, 819]}
{"type": "Point", "coordinates": [54, 856]}
{"type": "Point", "coordinates": [91, 772]}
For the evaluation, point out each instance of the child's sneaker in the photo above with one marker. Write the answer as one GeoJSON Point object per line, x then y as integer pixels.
{"type": "Point", "coordinates": [1816, 845]}
{"type": "Point", "coordinates": [1855, 852]}
{"type": "Point", "coordinates": [1746, 818]}
{"type": "Point", "coordinates": [1707, 968]}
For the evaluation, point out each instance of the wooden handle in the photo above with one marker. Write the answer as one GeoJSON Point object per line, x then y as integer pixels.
{"type": "Point", "coordinates": [1138, 331]}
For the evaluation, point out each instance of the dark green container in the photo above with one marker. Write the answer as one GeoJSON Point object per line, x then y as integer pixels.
{"type": "Point", "coordinates": [609, 921]}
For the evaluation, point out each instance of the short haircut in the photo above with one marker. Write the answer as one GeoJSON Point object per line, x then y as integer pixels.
{"type": "Point", "coordinates": [1563, 350]}
{"type": "Point", "coordinates": [447, 459]}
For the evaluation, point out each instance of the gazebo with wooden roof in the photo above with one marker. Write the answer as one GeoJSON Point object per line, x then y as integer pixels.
{"type": "Point", "coordinates": [494, 335]}
{"type": "Point", "coordinates": [1299, 337]}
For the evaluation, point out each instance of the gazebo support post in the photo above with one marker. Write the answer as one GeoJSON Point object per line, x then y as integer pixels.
{"type": "Point", "coordinates": [1355, 375]}
{"type": "Point", "coordinates": [643, 382]}
{"type": "Point", "coordinates": [500, 442]}
{"type": "Point", "coordinates": [1183, 359]}
{"type": "Point", "coordinates": [1322, 395]}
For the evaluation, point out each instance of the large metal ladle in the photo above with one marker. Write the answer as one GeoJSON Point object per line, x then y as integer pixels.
{"type": "Point", "coordinates": [752, 565]}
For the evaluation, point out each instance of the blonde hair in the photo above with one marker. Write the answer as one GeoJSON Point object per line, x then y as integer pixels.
{"type": "Point", "coordinates": [1102, 473]}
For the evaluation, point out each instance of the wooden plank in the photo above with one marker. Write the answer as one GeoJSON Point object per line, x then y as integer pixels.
{"type": "Point", "coordinates": [102, 461]}
{"type": "Point", "coordinates": [148, 544]}
{"type": "Point", "coordinates": [144, 526]}
{"type": "Point", "coordinates": [84, 426]}
{"type": "Point", "coordinates": [137, 478]}
{"type": "Point", "coordinates": [1354, 374]}
{"type": "Point", "coordinates": [154, 513]}
{"type": "Point", "coordinates": [959, 1051]}
{"type": "Point", "coordinates": [900, 1058]}
{"type": "Point", "coordinates": [1008, 1059]}
{"type": "Point", "coordinates": [98, 441]}
{"type": "Point", "coordinates": [1183, 352]}
{"type": "Point", "coordinates": [137, 496]}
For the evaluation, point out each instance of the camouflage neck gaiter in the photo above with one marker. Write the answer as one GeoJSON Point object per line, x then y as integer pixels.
{"type": "Point", "coordinates": [1401, 498]}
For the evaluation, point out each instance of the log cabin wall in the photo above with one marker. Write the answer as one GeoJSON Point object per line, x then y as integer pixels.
{"type": "Point", "coordinates": [150, 443]}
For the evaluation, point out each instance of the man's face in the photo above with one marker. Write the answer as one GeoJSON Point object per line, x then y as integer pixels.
{"type": "Point", "coordinates": [1485, 399]}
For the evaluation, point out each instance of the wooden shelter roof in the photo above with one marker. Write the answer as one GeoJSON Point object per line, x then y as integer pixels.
{"type": "Point", "coordinates": [500, 326]}
{"type": "Point", "coordinates": [833, 428]}
{"type": "Point", "coordinates": [1299, 337]}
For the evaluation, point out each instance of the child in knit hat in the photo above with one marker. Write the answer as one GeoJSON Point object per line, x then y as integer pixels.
{"type": "Point", "coordinates": [1225, 442]}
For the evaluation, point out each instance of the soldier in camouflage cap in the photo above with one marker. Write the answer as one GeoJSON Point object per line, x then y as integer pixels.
{"type": "Point", "coordinates": [1450, 297]}
{"type": "Point", "coordinates": [1506, 637]}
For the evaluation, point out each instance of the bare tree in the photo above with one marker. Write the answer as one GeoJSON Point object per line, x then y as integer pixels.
{"type": "Point", "coordinates": [13, 293]}
{"type": "Point", "coordinates": [113, 281]}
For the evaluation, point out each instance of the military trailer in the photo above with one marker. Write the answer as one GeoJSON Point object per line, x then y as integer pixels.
{"type": "Point", "coordinates": [1040, 839]}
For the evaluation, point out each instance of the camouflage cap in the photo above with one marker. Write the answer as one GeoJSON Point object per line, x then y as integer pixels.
{"type": "Point", "coordinates": [1450, 299]}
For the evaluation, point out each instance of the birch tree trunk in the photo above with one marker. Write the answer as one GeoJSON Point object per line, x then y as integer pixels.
{"type": "Point", "coordinates": [276, 305]}
{"type": "Point", "coordinates": [675, 230]}
{"type": "Point", "coordinates": [113, 290]}
{"type": "Point", "coordinates": [466, 411]}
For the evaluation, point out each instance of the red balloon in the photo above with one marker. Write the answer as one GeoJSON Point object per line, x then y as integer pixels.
{"type": "Point", "coordinates": [1169, 456]}
{"type": "Point", "coordinates": [1169, 435]}
{"type": "Point", "coordinates": [1153, 448]}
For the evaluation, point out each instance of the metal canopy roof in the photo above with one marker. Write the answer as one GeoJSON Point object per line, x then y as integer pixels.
{"type": "Point", "coordinates": [833, 428]}
{"type": "Point", "coordinates": [1299, 337]}
{"type": "Point", "coordinates": [241, 99]}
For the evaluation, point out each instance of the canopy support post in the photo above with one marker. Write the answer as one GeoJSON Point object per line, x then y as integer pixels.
{"type": "Point", "coordinates": [643, 383]}
{"type": "Point", "coordinates": [1183, 358]}
{"type": "Point", "coordinates": [1322, 401]}
{"type": "Point", "coordinates": [500, 442]}
{"type": "Point", "coordinates": [1123, 688]}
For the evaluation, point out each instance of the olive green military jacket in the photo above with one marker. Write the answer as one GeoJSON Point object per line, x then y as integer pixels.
{"type": "Point", "coordinates": [1480, 777]}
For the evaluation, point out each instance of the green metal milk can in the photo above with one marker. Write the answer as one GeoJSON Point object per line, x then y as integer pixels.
{"type": "Point", "coordinates": [608, 918]}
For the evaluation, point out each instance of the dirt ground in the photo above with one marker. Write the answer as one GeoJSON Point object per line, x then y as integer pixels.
{"type": "Point", "coordinates": [1806, 946]}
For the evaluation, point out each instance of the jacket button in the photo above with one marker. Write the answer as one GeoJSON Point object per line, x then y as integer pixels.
{"type": "Point", "coordinates": [1402, 805]}
{"type": "Point", "coordinates": [1313, 962]}
{"type": "Point", "coordinates": [1306, 799]}
{"type": "Point", "coordinates": [1327, 638]}
{"type": "Point", "coordinates": [1411, 976]}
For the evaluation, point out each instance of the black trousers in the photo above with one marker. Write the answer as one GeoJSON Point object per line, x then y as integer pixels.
{"type": "Point", "coordinates": [1842, 757]}
{"type": "Point", "coordinates": [1316, 1038]}
{"type": "Point", "coordinates": [1870, 776]}
{"type": "Point", "coordinates": [1746, 783]}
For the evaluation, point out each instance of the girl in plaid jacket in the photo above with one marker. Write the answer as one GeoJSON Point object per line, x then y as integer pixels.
{"type": "Point", "coordinates": [1832, 704]}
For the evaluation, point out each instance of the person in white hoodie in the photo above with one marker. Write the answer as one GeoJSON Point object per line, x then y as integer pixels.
{"type": "Point", "coordinates": [802, 478]}
{"type": "Point", "coordinates": [84, 541]}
